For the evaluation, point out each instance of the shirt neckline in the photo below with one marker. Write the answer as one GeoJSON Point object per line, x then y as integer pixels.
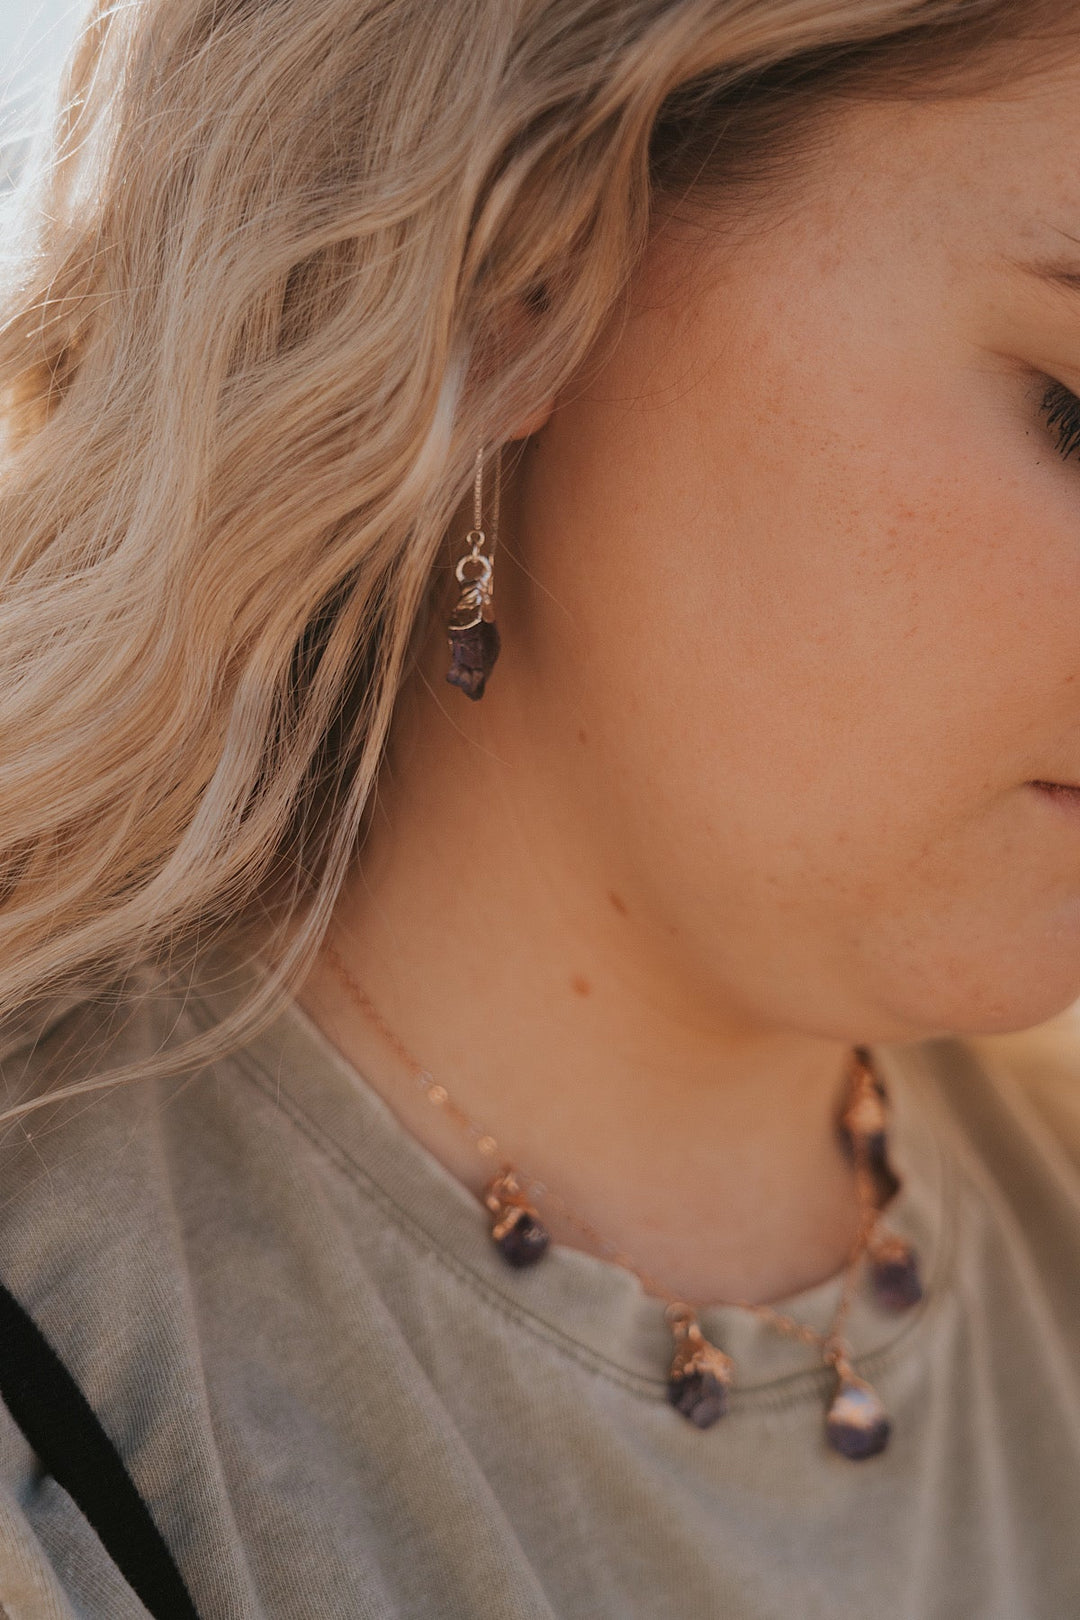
{"type": "Point", "coordinates": [594, 1306]}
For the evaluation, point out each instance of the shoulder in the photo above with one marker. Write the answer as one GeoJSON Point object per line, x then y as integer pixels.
{"type": "Point", "coordinates": [111, 1217]}
{"type": "Point", "coordinates": [77, 1153]}
{"type": "Point", "coordinates": [75, 1036]}
{"type": "Point", "coordinates": [62, 1117]}
{"type": "Point", "coordinates": [107, 1157]}
{"type": "Point", "coordinates": [84, 1063]}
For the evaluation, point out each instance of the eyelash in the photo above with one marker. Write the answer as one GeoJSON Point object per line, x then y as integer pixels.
{"type": "Point", "coordinates": [1062, 409]}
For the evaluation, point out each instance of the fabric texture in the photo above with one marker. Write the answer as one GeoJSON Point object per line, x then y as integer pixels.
{"type": "Point", "coordinates": [337, 1402]}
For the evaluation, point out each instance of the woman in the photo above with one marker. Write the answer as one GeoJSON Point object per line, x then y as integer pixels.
{"type": "Point", "coordinates": [541, 557]}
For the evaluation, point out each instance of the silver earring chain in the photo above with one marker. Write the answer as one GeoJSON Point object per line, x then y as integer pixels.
{"type": "Point", "coordinates": [478, 535]}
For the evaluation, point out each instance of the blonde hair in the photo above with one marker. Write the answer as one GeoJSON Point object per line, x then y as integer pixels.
{"type": "Point", "coordinates": [251, 338]}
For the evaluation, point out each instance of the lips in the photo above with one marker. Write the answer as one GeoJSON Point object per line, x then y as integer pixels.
{"type": "Point", "coordinates": [1066, 794]}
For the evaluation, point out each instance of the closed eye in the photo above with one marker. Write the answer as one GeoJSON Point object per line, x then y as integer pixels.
{"type": "Point", "coordinates": [1061, 407]}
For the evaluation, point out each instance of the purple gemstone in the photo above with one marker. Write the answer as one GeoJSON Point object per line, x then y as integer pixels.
{"type": "Point", "coordinates": [896, 1280]}
{"type": "Point", "coordinates": [875, 1145]}
{"type": "Point", "coordinates": [473, 655]}
{"type": "Point", "coordinates": [877, 1149]}
{"type": "Point", "coordinates": [857, 1425]}
{"type": "Point", "coordinates": [525, 1242]}
{"type": "Point", "coordinates": [699, 1396]}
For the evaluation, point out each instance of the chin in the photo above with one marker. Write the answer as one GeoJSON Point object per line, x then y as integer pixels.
{"type": "Point", "coordinates": [1033, 980]}
{"type": "Point", "coordinates": [1004, 1007]}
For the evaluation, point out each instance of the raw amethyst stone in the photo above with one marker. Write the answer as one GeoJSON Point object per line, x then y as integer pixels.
{"type": "Point", "coordinates": [857, 1425]}
{"type": "Point", "coordinates": [877, 1149]}
{"type": "Point", "coordinates": [875, 1145]}
{"type": "Point", "coordinates": [472, 657]}
{"type": "Point", "coordinates": [524, 1243]}
{"type": "Point", "coordinates": [897, 1284]}
{"type": "Point", "coordinates": [699, 1396]}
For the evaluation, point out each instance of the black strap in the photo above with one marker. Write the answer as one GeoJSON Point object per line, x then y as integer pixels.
{"type": "Point", "coordinates": [61, 1428]}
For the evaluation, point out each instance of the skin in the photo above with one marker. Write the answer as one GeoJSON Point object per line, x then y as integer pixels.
{"type": "Point", "coordinates": [788, 582]}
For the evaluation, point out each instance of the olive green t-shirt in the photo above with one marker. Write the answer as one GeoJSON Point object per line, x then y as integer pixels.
{"type": "Point", "coordinates": [339, 1402]}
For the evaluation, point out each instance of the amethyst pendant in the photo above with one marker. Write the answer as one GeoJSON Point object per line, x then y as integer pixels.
{"type": "Point", "coordinates": [699, 1396]}
{"type": "Point", "coordinates": [864, 1122]}
{"type": "Point", "coordinates": [700, 1374]}
{"type": "Point", "coordinates": [895, 1273]}
{"type": "Point", "coordinates": [516, 1229]}
{"type": "Point", "coordinates": [857, 1425]}
{"type": "Point", "coordinates": [524, 1242]}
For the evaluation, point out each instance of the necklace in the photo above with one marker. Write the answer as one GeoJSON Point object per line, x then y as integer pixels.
{"type": "Point", "coordinates": [701, 1374]}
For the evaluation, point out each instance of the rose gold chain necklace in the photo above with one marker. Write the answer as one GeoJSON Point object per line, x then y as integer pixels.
{"type": "Point", "coordinates": [700, 1374]}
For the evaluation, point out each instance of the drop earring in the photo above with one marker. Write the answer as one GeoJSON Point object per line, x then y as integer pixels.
{"type": "Point", "coordinates": [472, 631]}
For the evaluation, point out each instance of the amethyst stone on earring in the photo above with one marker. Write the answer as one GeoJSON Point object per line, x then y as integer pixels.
{"type": "Point", "coordinates": [894, 1268]}
{"type": "Point", "coordinates": [857, 1425]}
{"type": "Point", "coordinates": [473, 652]}
{"type": "Point", "coordinates": [473, 633]}
{"type": "Point", "coordinates": [516, 1230]}
{"type": "Point", "coordinates": [700, 1374]}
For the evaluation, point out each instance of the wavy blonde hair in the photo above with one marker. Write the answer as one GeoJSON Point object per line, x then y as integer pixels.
{"type": "Point", "coordinates": [253, 332]}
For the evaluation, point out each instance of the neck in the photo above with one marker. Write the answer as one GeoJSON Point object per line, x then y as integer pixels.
{"type": "Point", "coordinates": [494, 932]}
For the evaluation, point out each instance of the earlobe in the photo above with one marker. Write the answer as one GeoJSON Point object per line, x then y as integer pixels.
{"type": "Point", "coordinates": [532, 424]}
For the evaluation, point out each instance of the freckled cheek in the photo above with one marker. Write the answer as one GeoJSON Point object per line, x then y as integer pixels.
{"type": "Point", "coordinates": [869, 601]}
{"type": "Point", "coordinates": [879, 685]}
{"type": "Point", "coordinates": [954, 581]}
{"type": "Point", "coordinates": [997, 627]}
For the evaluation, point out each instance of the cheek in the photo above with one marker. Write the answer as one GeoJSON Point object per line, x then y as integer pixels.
{"type": "Point", "coordinates": [823, 610]}
{"type": "Point", "coordinates": [827, 660]}
{"type": "Point", "coordinates": [878, 583]}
